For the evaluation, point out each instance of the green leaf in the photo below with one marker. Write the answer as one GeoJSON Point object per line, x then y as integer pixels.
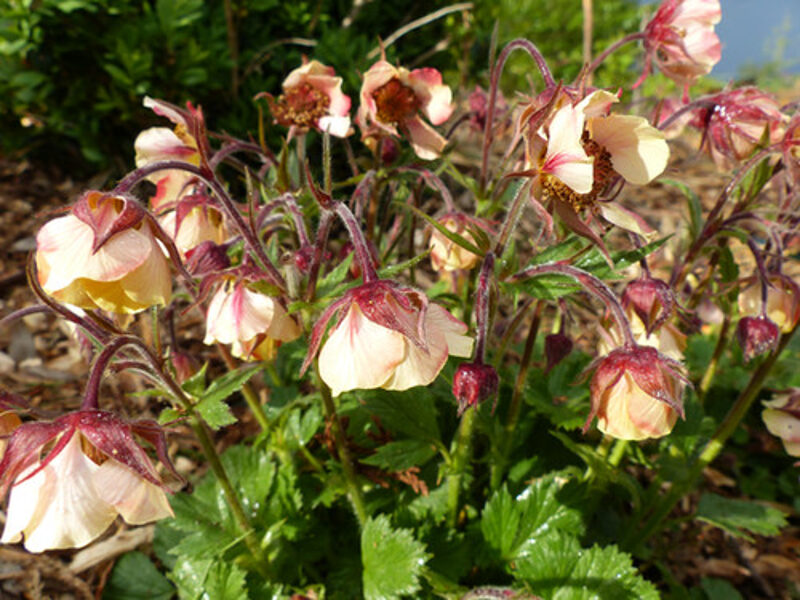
{"type": "Point", "coordinates": [719, 589]}
{"type": "Point", "coordinates": [738, 516]}
{"type": "Point", "coordinates": [392, 560]}
{"type": "Point", "coordinates": [225, 581]}
{"type": "Point", "coordinates": [231, 382]}
{"type": "Point", "coordinates": [392, 270]}
{"type": "Point", "coordinates": [693, 200]}
{"type": "Point", "coordinates": [413, 413]}
{"type": "Point", "coordinates": [215, 412]}
{"type": "Point", "coordinates": [557, 568]}
{"type": "Point", "coordinates": [333, 279]}
{"type": "Point", "coordinates": [189, 575]}
{"type": "Point", "coordinates": [728, 268]}
{"type": "Point", "coordinates": [511, 526]}
{"type": "Point", "coordinates": [450, 235]}
{"type": "Point", "coordinates": [402, 455]}
{"type": "Point", "coordinates": [135, 577]}
{"type": "Point", "coordinates": [196, 384]}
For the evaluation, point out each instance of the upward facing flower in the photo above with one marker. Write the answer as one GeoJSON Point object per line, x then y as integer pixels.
{"type": "Point", "coordinates": [94, 471]}
{"type": "Point", "coordinates": [392, 99]}
{"type": "Point", "coordinates": [388, 336]}
{"type": "Point", "coordinates": [312, 98]}
{"type": "Point", "coordinates": [103, 255]}
{"type": "Point", "coordinates": [680, 39]}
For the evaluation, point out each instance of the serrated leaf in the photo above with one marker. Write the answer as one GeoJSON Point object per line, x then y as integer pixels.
{"type": "Point", "coordinates": [135, 577]}
{"type": "Point", "coordinates": [557, 568]}
{"type": "Point", "coordinates": [196, 384]}
{"type": "Point", "coordinates": [335, 277]}
{"type": "Point", "coordinates": [189, 575]}
{"type": "Point", "coordinates": [215, 412]}
{"type": "Point", "coordinates": [738, 516]}
{"type": "Point", "coordinates": [511, 525]}
{"type": "Point", "coordinates": [229, 383]}
{"type": "Point", "coordinates": [301, 427]}
{"type": "Point", "coordinates": [413, 413]}
{"type": "Point", "coordinates": [226, 581]}
{"type": "Point", "coordinates": [168, 415]}
{"type": "Point", "coordinates": [392, 560]}
{"type": "Point", "coordinates": [402, 455]}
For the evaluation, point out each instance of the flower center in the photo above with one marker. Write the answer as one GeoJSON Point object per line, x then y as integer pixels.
{"type": "Point", "coordinates": [603, 172]}
{"type": "Point", "coordinates": [301, 105]}
{"type": "Point", "coordinates": [395, 102]}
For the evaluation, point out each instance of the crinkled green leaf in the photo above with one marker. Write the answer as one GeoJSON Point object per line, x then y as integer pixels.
{"type": "Point", "coordinates": [135, 577]}
{"type": "Point", "coordinates": [738, 516]}
{"type": "Point", "coordinates": [229, 383]}
{"type": "Point", "coordinates": [511, 525]}
{"type": "Point", "coordinates": [215, 412]}
{"type": "Point", "coordinates": [557, 568]}
{"type": "Point", "coordinates": [392, 559]}
{"type": "Point", "coordinates": [225, 581]}
{"type": "Point", "coordinates": [413, 413]}
{"type": "Point", "coordinates": [402, 455]}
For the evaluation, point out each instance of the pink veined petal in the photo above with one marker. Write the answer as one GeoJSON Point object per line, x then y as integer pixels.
{"type": "Point", "coordinates": [458, 344]}
{"type": "Point", "coordinates": [615, 213]}
{"type": "Point", "coordinates": [639, 151]}
{"type": "Point", "coordinates": [597, 104]}
{"type": "Point", "coordinates": [420, 367]}
{"type": "Point", "coordinates": [163, 109]}
{"type": "Point", "coordinates": [691, 11]}
{"type": "Point", "coordinates": [436, 98]}
{"type": "Point", "coordinates": [703, 45]}
{"type": "Point", "coordinates": [782, 424]}
{"type": "Point", "coordinates": [332, 87]}
{"type": "Point", "coordinates": [336, 126]}
{"type": "Point", "coordinates": [238, 316]}
{"type": "Point", "coordinates": [566, 159]}
{"type": "Point", "coordinates": [425, 140]}
{"type": "Point", "coordinates": [160, 143]}
{"type": "Point", "coordinates": [303, 72]}
{"type": "Point", "coordinates": [58, 507]}
{"type": "Point", "coordinates": [359, 354]}
{"type": "Point", "coordinates": [135, 498]}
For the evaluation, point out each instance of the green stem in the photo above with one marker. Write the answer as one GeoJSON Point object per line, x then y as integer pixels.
{"type": "Point", "coordinates": [617, 452]}
{"type": "Point", "coordinates": [215, 463]}
{"type": "Point", "coordinates": [354, 490]}
{"type": "Point", "coordinates": [247, 391]}
{"type": "Point", "coordinates": [462, 449]}
{"type": "Point", "coordinates": [713, 447]}
{"type": "Point", "coordinates": [514, 409]}
{"type": "Point", "coordinates": [708, 376]}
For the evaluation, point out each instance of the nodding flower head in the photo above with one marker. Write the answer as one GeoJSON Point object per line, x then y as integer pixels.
{"type": "Point", "coordinates": [103, 255]}
{"type": "Point", "coordinates": [783, 301]}
{"type": "Point", "coordinates": [680, 39]}
{"type": "Point", "coordinates": [195, 220]}
{"type": "Point", "coordinates": [71, 477]}
{"type": "Point", "coordinates": [782, 418]}
{"type": "Point", "coordinates": [737, 122]}
{"type": "Point", "coordinates": [387, 336]}
{"type": "Point", "coordinates": [636, 393]}
{"type": "Point", "coordinates": [254, 324]}
{"type": "Point", "coordinates": [312, 98]}
{"type": "Point", "coordinates": [392, 99]}
{"type": "Point", "coordinates": [473, 384]}
{"type": "Point", "coordinates": [757, 336]}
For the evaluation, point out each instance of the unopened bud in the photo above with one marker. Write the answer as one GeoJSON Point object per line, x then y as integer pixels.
{"type": "Point", "coordinates": [304, 258]}
{"type": "Point", "coordinates": [557, 347]}
{"type": "Point", "coordinates": [184, 365]}
{"type": "Point", "coordinates": [474, 383]}
{"type": "Point", "coordinates": [652, 301]}
{"type": "Point", "coordinates": [757, 336]}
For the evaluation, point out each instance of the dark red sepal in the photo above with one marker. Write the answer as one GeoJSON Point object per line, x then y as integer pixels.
{"type": "Point", "coordinates": [651, 299]}
{"type": "Point", "coordinates": [24, 447]}
{"type": "Point", "coordinates": [107, 215]}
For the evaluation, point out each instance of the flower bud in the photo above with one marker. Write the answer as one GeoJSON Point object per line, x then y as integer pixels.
{"type": "Point", "coordinates": [557, 347]}
{"type": "Point", "coordinates": [636, 393]}
{"type": "Point", "coordinates": [757, 336]}
{"type": "Point", "coordinates": [446, 255]}
{"type": "Point", "coordinates": [474, 383]}
{"type": "Point", "coordinates": [206, 258]}
{"type": "Point", "coordinates": [782, 418]}
{"type": "Point", "coordinates": [652, 301]}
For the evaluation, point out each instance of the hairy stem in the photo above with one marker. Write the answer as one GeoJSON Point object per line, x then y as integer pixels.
{"type": "Point", "coordinates": [462, 449]}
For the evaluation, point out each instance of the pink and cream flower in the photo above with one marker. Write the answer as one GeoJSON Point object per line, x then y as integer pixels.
{"type": "Point", "coordinates": [387, 336]}
{"type": "Point", "coordinates": [783, 302]}
{"type": "Point", "coordinates": [782, 418]}
{"type": "Point", "coordinates": [392, 99]}
{"type": "Point", "coordinates": [636, 394]}
{"type": "Point", "coordinates": [680, 39]}
{"type": "Point", "coordinates": [103, 255]}
{"type": "Point", "coordinates": [193, 222]}
{"type": "Point", "coordinates": [446, 255]}
{"type": "Point", "coordinates": [164, 144]}
{"type": "Point", "coordinates": [253, 323]}
{"type": "Point", "coordinates": [70, 478]}
{"type": "Point", "coordinates": [578, 152]}
{"type": "Point", "coordinates": [312, 98]}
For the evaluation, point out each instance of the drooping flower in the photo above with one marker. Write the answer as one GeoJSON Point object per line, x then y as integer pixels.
{"type": "Point", "coordinates": [636, 394]}
{"type": "Point", "coordinates": [387, 336]}
{"type": "Point", "coordinates": [312, 98]}
{"type": "Point", "coordinates": [783, 302]}
{"type": "Point", "coordinates": [193, 222]}
{"type": "Point", "coordinates": [103, 255]}
{"type": "Point", "coordinates": [782, 418]}
{"type": "Point", "coordinates": [757, 336]}
{"type": "Point", "coordinates": [253, 323]}
{"type": "Point", "coordinates": [666, 337]}
{"type": "Point", "coordinates": [392, 99]}
{"type": "Point", "coordinates": [738, 120]}
{"type": "Point", "coordinates": [186, 143]}
{"type": "Point", "coordinates": [71, 477]}
{"type": "Point", "coordinates": [446, 255]}
{"type": "Point", "coordinates": [473, 384]}
{"type": "Point", "coordinates": [680, 39]}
